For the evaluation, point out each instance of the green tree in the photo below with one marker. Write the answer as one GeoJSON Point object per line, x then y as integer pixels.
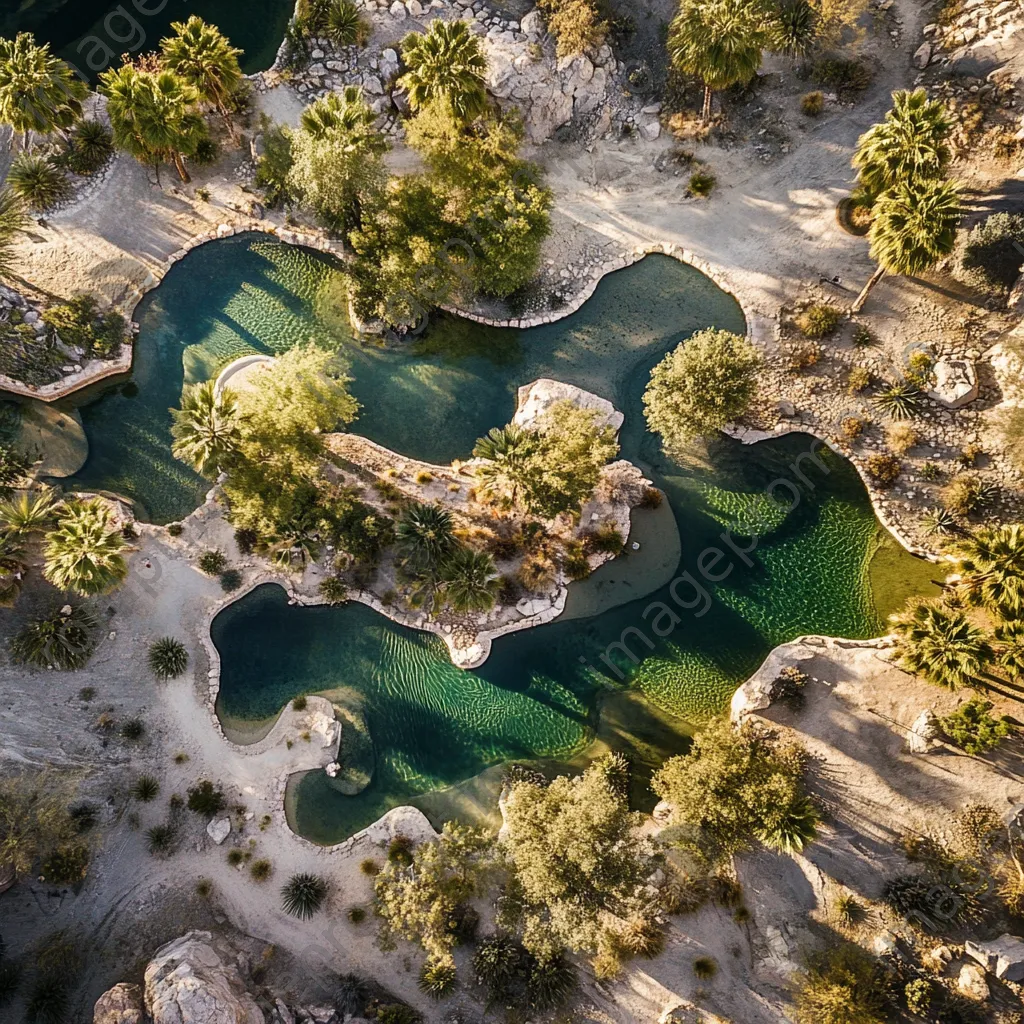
{"type": "Point", "coordinates": [700, 386]}
{"type": "Point", "coordinates": [337, 157]}
{"type": "Point", "coordinates": [421, 901]}
{"type": "Point", "coordinates": [1010, 640]}
{"type": "Point", "coordinates": [424, 535]}
{"type": "Point", "coordinates": [64, 639]}
{"type": "Point", "coordinates": [153, 115]}
{"type": "Point", "coordinates": [914, 226]}
{"type": "Point", "coordinates": [575, 855]}
{"type": "Point", "coordinates": [206, 428]}
{"type": "Point", "coordinates": [13, 568]}
{"type": "Point", "coordinates": [940, 644]}
{"type": "Point", "coordinates": [506, 453]}
{"type": "Point", "coordinates": [734, 787]}
{"type": "Point", "coordinates": [469, 580]}
{"type": "Point", "coordinates": [83, 551]}
{"type": "Point", "coordinates": [991, 568]}
{"type": "Point", "coordinates": [202, 56]}
{"type": "Point", "coordinates": [720, 42]}
{"type": "Point", "coordinates": [842, 986]}
{"type": "Point", "coordinates": [38, 182]}
{"type": "Point", "coordinates": [38, 91]}
{"type": "Point", "coordinates": [910, 145]}
{"type": "Point", "coordinates": [563, 468]}
{"type": "Point", "coordinates": [446, 64]}
{"type": "Point", "coordinates": [13, 218]}
{"type": "Point", "coordinates": [973, 729]}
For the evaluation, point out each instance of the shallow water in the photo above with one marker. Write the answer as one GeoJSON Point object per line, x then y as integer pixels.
{"type": "Point", "coordinates": [540, 694]}
{"type": "Point", "coordinates": [93, 34]}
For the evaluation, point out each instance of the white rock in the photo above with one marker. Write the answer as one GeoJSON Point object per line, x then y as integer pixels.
{"type": "Point", "coordinates": [956, 383]}
{"type": "Point", "coordinates": [533, 24]}
{"type": "Point", "coordinates": [120, 1005]}
{"type": "Point", "coordinates": [1003, 957]}
{"type": "Point", "coordinates": [414, 7]}
{"type": "Point", "coordinates": [971, 982]}
{"type": "Point", "coordinates": [219, 829]}
{"type": "Point", "coordinates": [923, 732]}
{"type": "Point", "coordinates": [397, 10]}
{"type": "Point", "coordinates": [332, 769]}
{"type": "Point", "coordinates": [651, 130]}
{"type": "Point", "coordinates": [922, 55]}
{"type": "Point", "coordinates": [535, 399]}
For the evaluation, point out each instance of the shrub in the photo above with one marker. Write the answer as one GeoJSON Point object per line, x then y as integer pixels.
{"type": "Point", "coordinates": [345, 26]}
{"type": "Point", "coordinates": [204, 888]}
{"type": "Point", "coordinates": [261, 870]}
{"type": "Point", "coordinates": [899, 401]}
{"type": "Point", "coordinates": [397, 1013]}
{"type": "Point", "coordinates": [60, 640]}
{"type": "Point", "coordinates": [966, 493]}
{"type": "Point", "coordinates": [369, 867]}
{"type": "Point", "coordinates": [333, 589]}
{"type": "Point", "coordinates": [652, 498]}
{"type": "Point", "coordinates": [812, 103]}
{"type": "Point", "coordinates": [819, 320]}
{"type": "Point", "coordinates": [551, 981]}
{"type": "Point", "coordinates": [146, 788]}
{"type": "Point", "coordinates": [246, 540]}
{"type": "Point", "coordinates": [844, 76]}
{"type": "Point", "coordinates": [849, 909]}
{"type": "Point", "coordinates": [400, 850]}
{"type": "Point", "coordinates": [851, 428]}
{"type": "Point", "coordinates": [973, 729]}
{"type": "Point", "coordinates": [48, 1001]}
{"type": "Point", "coordinates": [842, 986]}
{"type": "Point", "coordinates": [969, 455]}
{"type": "Point", "coordinates": [67, 865]}
{"type": "Point", "coordinates": [606, 539]}
{"type": "Point", "coordinates": [497, 963]}
{"type": "Point", "coordinates": [230, 580]}
{"type": "Point", "coordinates": [574, 561]}
{"type": "Point", "coordinates": [212, 562]}
{"type": "Point", "coordinates": [356, 914]}
{"type": "Point", "coordinates": [576, 25]}
{"type": "Point", "coordinates": [303, 895]}
{"type": "Point", "coordinates": [883, 467]}
{"type": "Point", "coordinates": [203, 194]}
{"type": "Point", "coordinates": [235, 857]}
{"type": "Point", "coordinates": [134, 729]}
{"type": "Point", "coordinates": [702, 184]}
{"type": "Point", "coordinates": [91, 146]}
{"type": "Point", "coordinates": [205, 798]}
{"type": "Point", "coordinates": [974, 826]}
{"type": "Point", "coordinates": [642, 936]}
{"type": "Point", "coordinates": [933, 901]}
{"type": "Point", "coordinates": [437, 978]}
{"type": "Point", "coordinates": [986, 258]}
{"type": "Point", "coordinates": [299, 703]}
{"type": "Point", "coordinates": [81, 325]}
{"type": "Point", "coordinates": [350, 995]}
{"type": "Point", "coordinates": [788, 687]}
{"type": "Point", "coordinates": [175, 529]}
{"type": "Point", "coordinates": [938, 520]}
{"type": "Point", "coordinates": [862, 337]}
{"type": "Point", "coordinates": [705, 967]}
{"type": "Point", "coordinates": [901, 438]}
{"type": "Point", "coordinates": [858, 378]}
{"type": "Point", "coordinates": [168, 658]}
{"type": "Point", "coordinates": [803, 355]}
{"type": "Point", "coordinates": [918, 994]}
{"type": "Point", "coordinates": [39, 183]}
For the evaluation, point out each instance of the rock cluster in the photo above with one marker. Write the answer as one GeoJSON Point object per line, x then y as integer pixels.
{"type": "Point", "coordinates": [989, 23]}
{"type": "Point", "coordinates": [580, 95]}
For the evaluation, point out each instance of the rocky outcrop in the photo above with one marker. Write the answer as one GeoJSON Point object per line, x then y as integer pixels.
{"type": "Point", "coordinates": [188, 981]}
{"type": "Point", "coordinates": [1003, 957]}
{"type": "Point", "coordinates": [120, 1005]}
{"type": "Point", "coordinates": [536, 399]}
{"type": "Point", "coordinates": [956, 383]}
{"type": "Point", "coordinates": [923, 733]}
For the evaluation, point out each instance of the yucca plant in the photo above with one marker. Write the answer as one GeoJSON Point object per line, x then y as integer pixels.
{"type": "Point", "coordinates": [146, 789]}
{"type": "Point", "coordinates": [789, 829]}
{"type": "Point", "coordinates": [160, 839]}
{"type": "Point", "coordinates": [437, 978]}
{"type": "Point", "coordinates": [899, 401]}
{"type": "Point", "coordinates": [849, 909]}
{"type": "Point", "coordinates": [350, 995]}
{"type": "Point", "coordinates": [303, 895]}
{"type": "Point", "coordinates": [939, 520]}
{"type": "Point", "coordinates": [13, 219]}
{"type": "Point", "coordinates": [64, 639]}
{"type": "Point", "coordinates": [92, 145]}
{"type": "Point", "coordinates": [345, 26]}
{"type": "Point", "coordinates": [940, 644]}
{"type": "Point", "coordinates": [795, 28]}
{"type": "Point", "coordinates": [167, 657]}
{"type": "Point", "coordinates": [497, 963]}
{"type": "Point", "coordinates": [445, 65]}
{"type": "Point", "coordinates": [551, 981]}
{"type": "Point", "coordinates": [28, 513]}
{"type": "Point", "coordinates": [38, 182]}
{"type": "Point", "coordinates": [48, 1002]}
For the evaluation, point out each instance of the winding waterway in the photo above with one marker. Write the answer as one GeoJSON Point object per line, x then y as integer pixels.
{"type": "Point", "coordinates": [823, 566]}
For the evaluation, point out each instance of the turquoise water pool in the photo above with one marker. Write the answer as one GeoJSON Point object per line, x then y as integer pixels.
{"type": "Point", "coordinates": [541, 692]}
{"type": "Point", "coordinates": [93, 34]}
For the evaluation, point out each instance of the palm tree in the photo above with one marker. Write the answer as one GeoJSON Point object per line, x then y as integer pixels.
{"type": "Point", "coordinates": [12, 569]}
{"type": "Point", "coordinates": [506, 451]}
{"type": "Point", "coordinates": [153, 116]}
{"type": "Point", "coordinates": [303, 895]}
{"type": "Point", "coordinates": [83, 552]}
{"type": "Point", "coordinates": [909, 145]}
{"type": "Point", "coordinates": [206, 428]}
{"type": "Point", "coordinates": [28, 513]}
{"type": "Point", "coordinates": [38, 91]}
{"type": "Point", "coordinates": [424, 536]}
{"type": "Point", "coordinates": [40, 184]}
{"type": "Point", "coordinates": [469, 580]}
{"type": "Point", "coordinates": [203, 57]}
{"type": "Point", "coordinates": [1010, 637]}
{"type": "Point", "coordinates": [940, 644]}
{"type": "Point", "coordinates": [13, 219]}
{"type": "Point", "coordinates": [446, 65]}
{"type": "Point", "coordinates": [167, 657]}
{"type": "Point", "coordinates": [992, 569]}
{"type": "Point", "coordinates": [914, 226]}
{"type": "Point", "coordinates": [720, 42]}
{"type": "Point", "coordinates": [345, 111]}
{"type": "Point", "coordinates": [64, 640]}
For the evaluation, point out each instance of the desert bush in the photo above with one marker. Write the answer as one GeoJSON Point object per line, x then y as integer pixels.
{"type": "Point", "coordinates": [230, 580]}
{"type": "Point", "coordinates": [842, 75]}
{"type": "Point", "coordinates": [299, 703]}
{"type": "Point", "coordinates": [499, 961]}
{"type": "Point", "coordinates": [551, 981]}
{"type": "Point", "coordinates": [175, 529]}
{"type": "Point", "coordinates": [819, 320]}
{"type": "Point", "coordinates": [858, 378]}
{"type": "Point", "coordinates": [918, 994]}
{"type": "Point", "coordinates": [167, 657]}
{"type": "Point", "coordinates": [974, 827]}
{"type": "Point", "coordinates": [80, 324]}
{"type": "Point", "coordinates": [802, 355]}
{"type": "Point", "coordinates": [973, 729]}
{"type": "Point", "coordinates": [851, 428]}
{"type": "Point", "coordinates": [901, 437]}
{"type": "Point", "coordinates": [160, 839]}
{"type": "Point", "coordinates": [213, 563]}
{"type": "Point", "coordinates": [966, 493]}
{"type": "Point", "coordinates": [356, 914]}
{"type": "Point", "coordinates": [400, 850]}
{"type": "Point", "coordinates": [788, 687]}
{"type": "Point", "coordinates": [133, 730]}
{"type": "Point", "coordinates": [862, 337]}
{"type": "Point", "coordinates": [986, 258]}
{"type": "Point", "coordinates": [652, 498]}
{"type": "Point", "coordinates": [938, 520]}
{"type": "Point", "coordinates": [146, 788]}
{"type": "Point", "coordinates": [369, 867]}
{"type": "Point", "coordinates": [705, 967]}
{"type": "Point", "coordinates": [437, 978]}
{"type": "Point", "coordinates": [812, 103]}
{"type": "Point", "coordinates": [702, 184]}
{"type": "Point", "coordinates": [883, 467]}
{"type": "Point", "coordinates": [260, 870]}
{"type": "Point", "coordinates": [841, 986]}
{"type": "Point", "coordinates": [206, 798]}
{"type": "Point", "coordinates": [577, 25]}
{"type": "Point", "coordinates": [933, 901]}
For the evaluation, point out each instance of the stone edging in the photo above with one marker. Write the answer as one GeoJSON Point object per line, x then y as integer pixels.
{"type": "Point", "coordinates": [93, 371]}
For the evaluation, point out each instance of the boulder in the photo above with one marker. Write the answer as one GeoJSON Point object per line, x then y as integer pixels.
{"type": "Point", "coordinates": [651, 130]}
{"type": "Point", "coordinates": [120, 1005]}
{"type": "Point", "coordinates": [532, 24]}
{"type": "Point", "coordinates": [219, 829]}
{"type": "Point", "coordinates": [922, 55]}
{"type": "Point", "coordinates": [398, 11]}
{"type": "Point", "coordinates": [534, 400]}
{"type": "Point", "coordinates": [1003, 957]}
{"type": "Point", "coordinates": [956, 383]}
{"type": "Point", "coordinates": [971, 983]}
{"type": "Point", "coordinates": [189, 982]}
{"type": "Point", "coordinates": [923, 732]}
{"type": "Point", "coordinates": [414, 7]}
